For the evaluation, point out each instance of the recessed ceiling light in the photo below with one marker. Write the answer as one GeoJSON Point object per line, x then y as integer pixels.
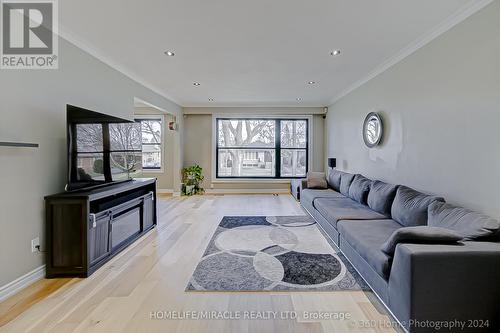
{"type": "Point", "coordinates": [299, 99]}
{"type": "Point", "coordinates": [169, 53]}
{"type": "Point", "coordinates": [335, 53]}
{"type": "Point", "coordinates": [311, 82]}
{"type": "Point", "coordinates": [196, 84]}
{"type": "Point", "coordinates": [210, 99]}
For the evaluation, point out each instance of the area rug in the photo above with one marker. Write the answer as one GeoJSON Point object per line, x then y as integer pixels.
{"type": "Point", "coordinates": [272, 253]}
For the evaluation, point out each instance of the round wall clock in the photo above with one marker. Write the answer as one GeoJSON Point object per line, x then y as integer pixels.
{"type": "Point", "coordinates": [373, 130]}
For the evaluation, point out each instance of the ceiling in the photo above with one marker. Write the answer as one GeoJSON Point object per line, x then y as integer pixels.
{"type": "Point", "coordinates": [253, 52]}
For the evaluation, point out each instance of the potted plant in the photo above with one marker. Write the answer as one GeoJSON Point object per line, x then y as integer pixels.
{"type": "Point", "coordinates": [192, 177]}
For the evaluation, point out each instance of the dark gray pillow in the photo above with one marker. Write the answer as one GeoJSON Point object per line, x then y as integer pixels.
{"type": "Point", "coordinates": [420, 235]}
{"type": "Point", "coordinates": [410, 207]}
{"type": "Point", "coordinates": [470, 224]}
{"type": "Point", "coordinates": [345, 183]}
{"type": "Point", "coordinates": [316, 180]}
{"type": "Point", "coordinates": [381, 196]}
{"type": "Point", "coordinates": [359, 189]}
{"type": "Point", "coordinates": [334, 179]}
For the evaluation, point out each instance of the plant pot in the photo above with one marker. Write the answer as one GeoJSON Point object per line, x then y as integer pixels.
{"type": "Point", "coordinates": [189, 189]}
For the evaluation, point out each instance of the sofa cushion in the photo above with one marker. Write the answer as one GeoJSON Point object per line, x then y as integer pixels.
{"type": "Point", "coordinates": [367, 237]}
{"type": "Point", "coordinates": [410, 207]}
{"type": "Point", "coordinates": [316, 180]}
{"type": "Point", "coordinates": [334, 179]}
{"type": "Point", "coordinates": [420, 235]}
{"type": "Point", "coordinates": [308, 195]}
{"type": "Point", "coordinates": [359, 189]}
{"type": "Point", "coordinates": [381, 197]}
{"type": "Point", "coordinates": [345, 183]}
{"type": "Point", "coordinates": [335, 209]}
{"type": "Point", "coordinates": [471, 225]}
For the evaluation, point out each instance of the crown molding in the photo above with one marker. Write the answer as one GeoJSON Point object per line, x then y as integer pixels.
{"type": "Point", "coordinates": [463, 13]}
{"type": "Point", "coordinates": [254, 110]}
{"type": "Point", "coordinates": [72, 38]}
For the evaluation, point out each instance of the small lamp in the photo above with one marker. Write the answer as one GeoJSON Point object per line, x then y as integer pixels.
{"type": "Point", "coordinates": [332, 162]}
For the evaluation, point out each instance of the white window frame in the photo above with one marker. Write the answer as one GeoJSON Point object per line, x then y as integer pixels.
{"type": "Point", "coordinates": [162, 139]}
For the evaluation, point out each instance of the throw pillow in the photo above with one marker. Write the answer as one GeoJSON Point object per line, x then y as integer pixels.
{"type": "Point", "coordinates": [381, 197]}
{"type": "Point", "coordinates": [410, 207]}
{"type": "Point", "coordinates": [472, 225]}
{"type": "Point", "coordinates": [359, 189]}
{"type": "Point", "coordinates": [316, 180]}
{"type": "Point", "coordinates": [420, 235]}
{"type": "Point", "coordinates": [345, 183]}
{"type": "Point", "coordinates": [334, 179]}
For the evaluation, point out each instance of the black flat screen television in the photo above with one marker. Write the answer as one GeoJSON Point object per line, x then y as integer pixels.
{"type": "Point", "coordinates": [102, 149]}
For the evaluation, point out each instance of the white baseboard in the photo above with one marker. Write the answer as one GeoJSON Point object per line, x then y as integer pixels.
{"type": "Point", "coordinates": [22, 282]}
{"type": "Point", "coordinates": [248, 191]}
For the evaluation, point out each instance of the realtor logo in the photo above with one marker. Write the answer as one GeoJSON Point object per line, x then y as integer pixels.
{"type": "Point", "coordinates": [29, 34]}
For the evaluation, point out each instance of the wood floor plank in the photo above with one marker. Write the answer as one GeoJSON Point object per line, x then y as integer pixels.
{"type": "Point", "coordinates": [151, 276]}
{"type": "Point", "coordinates": [14, 306]}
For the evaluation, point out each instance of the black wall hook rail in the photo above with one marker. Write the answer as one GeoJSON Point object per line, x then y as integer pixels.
{"type": "Point", "coordinates": [19, 144]}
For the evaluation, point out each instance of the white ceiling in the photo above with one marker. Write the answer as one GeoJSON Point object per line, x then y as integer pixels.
{"type": "Point", "coordinates": [252, 52]}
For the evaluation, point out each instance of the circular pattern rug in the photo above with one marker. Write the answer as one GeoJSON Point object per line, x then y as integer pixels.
{"type": "Point", "coordinates": [269, 253]}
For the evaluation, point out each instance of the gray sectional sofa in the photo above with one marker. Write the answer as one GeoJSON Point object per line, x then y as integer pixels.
{"type": "Point", "coordinates": [425, 281]}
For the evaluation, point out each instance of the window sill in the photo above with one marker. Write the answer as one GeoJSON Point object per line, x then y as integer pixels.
{"type": "Point", "coordinates": [153, 171]}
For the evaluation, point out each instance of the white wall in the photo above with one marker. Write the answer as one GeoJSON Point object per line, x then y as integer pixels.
{"type": "Point", "coordinates": [441, 106]}
{"type": "Point", "coordinates": [33, 109]}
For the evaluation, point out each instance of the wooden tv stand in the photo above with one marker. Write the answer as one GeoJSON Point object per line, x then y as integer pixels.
{"type": "Point", "coordinates": [87, 228]}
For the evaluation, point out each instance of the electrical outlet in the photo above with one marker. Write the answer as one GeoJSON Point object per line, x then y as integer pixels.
{"type": "Point", "coordinates": [35, 244]}
{"type": "Point", "coordinates": [212, 186]}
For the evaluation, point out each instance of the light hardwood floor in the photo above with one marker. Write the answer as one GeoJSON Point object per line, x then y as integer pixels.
{"type": "Point", "coordinates": [152, 275]}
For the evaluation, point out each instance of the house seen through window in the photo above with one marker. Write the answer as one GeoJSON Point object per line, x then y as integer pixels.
{"type": "Point", "coordinates": [152, 132]}
{"type": "Point", "coordinates": [261, 148]}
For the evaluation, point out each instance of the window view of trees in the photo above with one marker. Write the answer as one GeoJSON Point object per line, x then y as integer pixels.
{"type": "Point", "coordinates": [90, 151]}
{"type": "Point", "coordinates": [125, 143]}
{"type": "Point", "coordinates": [125, 150]}
{"type": "Point", "coordinates": [151, 143]}
{"type": "Point", "coordinates": [294, 139]}
{"type": "Point", "coordinates": [133, 146]}
{"type": "Point", "coordinates": [253, 135]}
{"type": "Point", "coordinates": [248, 147]}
